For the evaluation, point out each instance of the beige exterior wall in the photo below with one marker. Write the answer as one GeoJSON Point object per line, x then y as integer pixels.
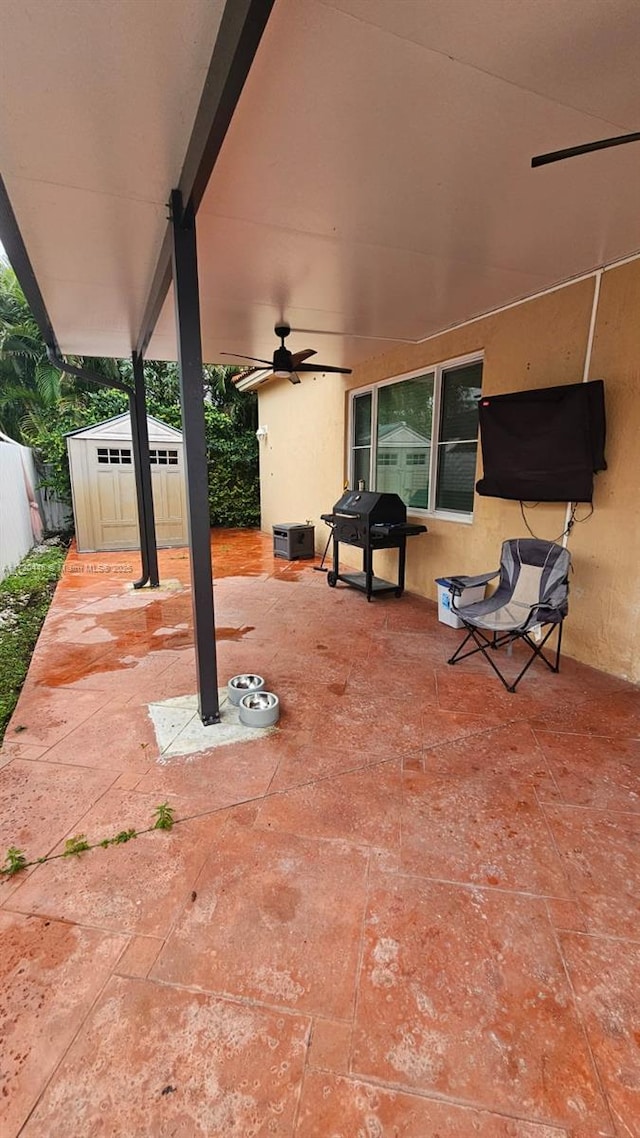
{"type": "Point", "coordinates": [536, 344]}
{"type": "Point", "coordinates": [302, 456]}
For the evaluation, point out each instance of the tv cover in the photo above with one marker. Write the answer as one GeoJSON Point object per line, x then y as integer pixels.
{"type": "Point", "coordinates": [543, 445]}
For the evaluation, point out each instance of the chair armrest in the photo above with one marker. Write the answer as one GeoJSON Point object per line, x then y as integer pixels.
{"type": "Point", "coordinates": [458, 584]}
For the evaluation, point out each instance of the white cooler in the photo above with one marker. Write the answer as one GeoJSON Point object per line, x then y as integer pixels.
{"type": "Point", "coordinates": [446, 615]}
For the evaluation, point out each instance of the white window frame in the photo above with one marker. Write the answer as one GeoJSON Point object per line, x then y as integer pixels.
{"type": "Point", "coordinates": [437, 371]}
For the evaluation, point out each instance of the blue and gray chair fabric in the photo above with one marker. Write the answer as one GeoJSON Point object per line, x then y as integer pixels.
{"type": "Point", "coordinates": [530, 601]}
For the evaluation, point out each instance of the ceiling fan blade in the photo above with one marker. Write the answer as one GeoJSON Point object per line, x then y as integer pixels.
{"type": "Point", "coordinates": [293, 378]}
{"type": "Point", "coordinates": [298, 357]}
{"type": "Point", "coordinates": [255, 359]}
{"type": "Point", "coordinates": [324, 367]}
{"type": "Point", "coordinates": [586, 148]}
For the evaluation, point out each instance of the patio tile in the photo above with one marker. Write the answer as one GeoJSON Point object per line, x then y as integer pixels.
{"type": "Point", "coordinates": [46, 715]}
{"type": "Point", "coordinates": [475, 693]}
{"type": "Point", "coordinates": [415, 683]}
{"type": "Point", "coordinates": [330, 1045]}
{"type": "Point", "coordinates": [138, 887]}
{"type": "Point", "coordinates": [566, 914]}
{"type": "Point", "coordinates": [51, 974]}
{"type": "Point", "coordinates": [448, 726]}
{"type": "Point", "coordinates": [215, 778]}
{"type": "Point", "coordinates": [277, 919]}
{"type": "Point", "coordinates": [593, 771]}
{"type": "Point", "coordinates": [601, 857]}
{"type": "Point", "coordinates": [362, 806]}
{"type": "Point", "coordinates": [480, 826]}
{"type": "Point", "coordinates": [248, 655]}
{"type": "Point", "coordinates": [13, 750]}
{"type": "Point", "coordinates": [139, 955]}
{"type": "Point", "coordinates": [118, 737]}
{"type": "Point", "coordinates": [302, 764]}
{"type": "Point", "coordinates": [314, 667]}
{"type": "Point", "coordinates": [40, 801]}
{"type": "Point", "coordinates": [117, 676]}
{"type": "Point", "coordinates": [358, 722]}
{"type": "Point", "coordinates": [510, 749]}
{"type": "Point", "coordinates": [607, 982]}
{"type": "Point", "coordinates": [158, 1061]}
{"type": "Point", "coordinates": [348, 1107]}
{"type": "Point", "coordinates": [463, 994]}
{"type": "Point", "coordinates": [421, 615]}
{"type": "Point", "coordinates": [616, 715]}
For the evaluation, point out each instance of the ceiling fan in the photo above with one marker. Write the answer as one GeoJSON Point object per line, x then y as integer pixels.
{"type": "Point", "coordinates": [586, 148]}
{"type": "Point", "coordinates": [285, 364]}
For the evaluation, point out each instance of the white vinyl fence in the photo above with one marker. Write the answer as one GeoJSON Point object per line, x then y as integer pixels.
{"type": "Point", "coordinates": [25, 510]}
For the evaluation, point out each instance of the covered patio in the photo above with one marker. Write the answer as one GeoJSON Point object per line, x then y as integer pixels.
{"type": "Point", "coordinates": [410, 910]}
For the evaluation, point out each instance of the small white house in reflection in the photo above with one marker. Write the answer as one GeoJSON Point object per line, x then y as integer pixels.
{"type": "Point", "coordinates": [403, 458]}
{"type": "Point", "coordinates": [403, 464]}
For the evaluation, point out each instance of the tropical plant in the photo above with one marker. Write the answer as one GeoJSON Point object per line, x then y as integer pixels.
{"type": "Point", "coordinates": [39, 406]}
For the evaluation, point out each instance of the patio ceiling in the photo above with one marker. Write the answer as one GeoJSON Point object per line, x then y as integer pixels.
{"type": "Point", "coordinates": [375, 183]}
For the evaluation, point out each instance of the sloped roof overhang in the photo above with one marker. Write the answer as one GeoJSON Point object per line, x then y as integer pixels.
{"type": "Point", "coordinates": [373, 188]}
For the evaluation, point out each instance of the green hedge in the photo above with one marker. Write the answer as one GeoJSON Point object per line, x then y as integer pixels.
{"type": "Point", "coordinates": [25, 596]}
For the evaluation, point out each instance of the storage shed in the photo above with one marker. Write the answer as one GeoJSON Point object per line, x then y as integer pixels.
{"type": "Point", "coordinates": [103, 485]}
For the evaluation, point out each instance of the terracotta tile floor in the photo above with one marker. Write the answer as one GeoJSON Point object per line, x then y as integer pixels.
{"type": "Point", "coordinates": [412, 912]}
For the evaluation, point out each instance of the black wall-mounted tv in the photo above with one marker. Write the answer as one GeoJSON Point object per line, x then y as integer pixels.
{"type": "Point", "coordinates": [543, 445]}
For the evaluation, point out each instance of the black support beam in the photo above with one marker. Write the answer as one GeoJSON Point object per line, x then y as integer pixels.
{"type": "Point", "coordinates": [144, 489]}
{"type": "Point", "coordinates": [187, 311]}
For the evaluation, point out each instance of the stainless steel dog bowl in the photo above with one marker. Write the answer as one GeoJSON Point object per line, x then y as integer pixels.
{"type": "Point", "coordinates": [259, 709]}
{"type": "Point", "coordinates": [243, 685]}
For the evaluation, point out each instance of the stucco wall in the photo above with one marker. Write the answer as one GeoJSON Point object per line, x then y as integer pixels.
{"type": "Point", "coordinates": [302, 456]}
{"type": "Point", "coordinates": [536, 344]}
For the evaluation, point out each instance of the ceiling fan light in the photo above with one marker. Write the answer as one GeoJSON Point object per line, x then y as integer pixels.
{"type": "Point", "coordinates": [281, 373]}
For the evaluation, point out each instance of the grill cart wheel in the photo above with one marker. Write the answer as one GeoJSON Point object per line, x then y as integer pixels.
{"type": "Point", "coordinates": [332, 579]}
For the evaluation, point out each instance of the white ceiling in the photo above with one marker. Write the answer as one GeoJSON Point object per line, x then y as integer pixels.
{"type": "Point", "coordinates": [97, 102]}
{"type": "Point", "coordinates": [375, 184]}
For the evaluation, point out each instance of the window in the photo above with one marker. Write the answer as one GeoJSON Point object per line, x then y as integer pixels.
{"type": "Point", "coordinates": [417, 436]}
{"type": "Point", "coordinates": [163, 457]}
{"type": "Point", "coordinates": [114, 456]}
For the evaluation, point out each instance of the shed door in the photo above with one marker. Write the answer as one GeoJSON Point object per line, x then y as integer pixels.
{"type": "Point", "coordinates": [115, 504]}
{"type": "Point", "coordinates": [169, 502]}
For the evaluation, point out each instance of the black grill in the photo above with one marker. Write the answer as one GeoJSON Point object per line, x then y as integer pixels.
{"type": "Point", "coordinates": [370, 521]}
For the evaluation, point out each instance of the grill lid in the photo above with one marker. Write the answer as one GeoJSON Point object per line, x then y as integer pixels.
{"type": "Point", "coordinates": [387, 509]}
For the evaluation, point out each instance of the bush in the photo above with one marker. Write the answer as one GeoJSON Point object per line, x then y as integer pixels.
{"type": "Point", "coordinates": [234, 483]}
{"type": "Point", "coordinates": [25, 596]}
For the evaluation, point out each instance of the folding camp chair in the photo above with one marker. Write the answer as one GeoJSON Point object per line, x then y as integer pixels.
{"type": "Point", "coordinates": [532, 595]}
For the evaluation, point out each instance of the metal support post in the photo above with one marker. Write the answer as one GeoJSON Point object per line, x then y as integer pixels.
{"type": "Point", "coordinates": [187, 310]}
{"type": "Point", "coordinates": [144, 492]}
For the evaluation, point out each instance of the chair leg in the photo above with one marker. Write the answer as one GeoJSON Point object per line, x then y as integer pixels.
{"type": "Point", "coordinates": [536, 651]}
{"type": "Point", "coordinates": [455, 659]}
{"type": "Point", "coordinates": [482, 644]}
{"type": "Point", "coordinates": [487, 645]}
{"type": "Point", "coordinates": [558, 646]}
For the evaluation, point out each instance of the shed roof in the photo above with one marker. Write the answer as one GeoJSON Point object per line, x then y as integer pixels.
{"type": "Point", "coordinates": [119, 428]}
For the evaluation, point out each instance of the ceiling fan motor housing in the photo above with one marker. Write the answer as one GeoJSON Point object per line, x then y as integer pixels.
{"type": "Point", "coordinates": [282, 360]}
